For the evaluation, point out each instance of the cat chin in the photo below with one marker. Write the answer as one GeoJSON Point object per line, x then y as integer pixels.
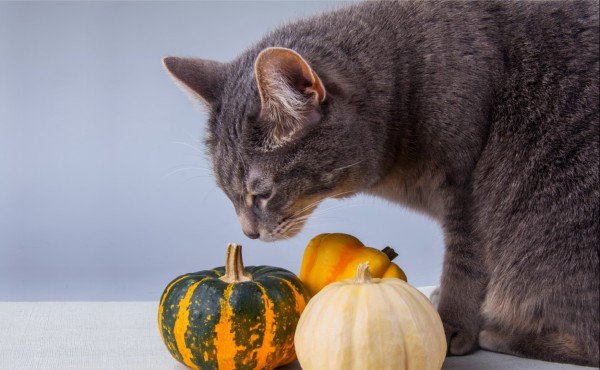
{"type": "Point", "coordinates": [273, 238]}
{"type": "Point", "coordinates": [285, 231]}
{"type": "Point", "coordinates": [277, 237]}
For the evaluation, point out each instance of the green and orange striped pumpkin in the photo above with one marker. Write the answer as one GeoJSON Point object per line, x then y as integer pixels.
{"type": "Point", "coordinates": [232, 317]}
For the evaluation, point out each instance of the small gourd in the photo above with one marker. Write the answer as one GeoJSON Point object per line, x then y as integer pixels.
{"type": "Point", "coordinates": [370, 323]}
{"type": "Point", "coordinates": [334, 257]}
{"type": "Point", "coordinates": [232, 317]}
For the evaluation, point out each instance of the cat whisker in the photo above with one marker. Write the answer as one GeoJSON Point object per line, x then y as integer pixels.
{"type": "Point", "coordinates": [299, 213]}
{"type": "Point", "coordinates": [319, 217]}
{"type": "Point", "coordinates": [315, 203]}
{"type": "Point", "coordinates": [191, 146]}
{"type": "Point", "coordinates": [334, 196]}
{"type": "Point", "coordinates": [298, 220]}
{"type": "Point", "coordinates": [299, 223]}
{"type": "Point", "coordinates": [299, 228]}
{"type": "Point", "coordinates": [350, 165]}
{"type": "Point", "coordinates": [333, 208]}
{"type": "Point", "coordinates": [196, 178]}
{"type": "Point", "coordinates": [196, 139]}
{"type": "Point", "coordinates": [189, 168]}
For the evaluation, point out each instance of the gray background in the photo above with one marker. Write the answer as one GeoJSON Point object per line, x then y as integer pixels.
{"type": "Point", "coordinates": [105, 192]}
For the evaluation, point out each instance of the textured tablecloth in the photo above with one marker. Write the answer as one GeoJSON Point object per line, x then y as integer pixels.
{"type": "Point", "coordinates": [124, 335]}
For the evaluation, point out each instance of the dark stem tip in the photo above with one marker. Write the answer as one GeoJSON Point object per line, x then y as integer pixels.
{"type": "Point", "coordinates": [390, 253]}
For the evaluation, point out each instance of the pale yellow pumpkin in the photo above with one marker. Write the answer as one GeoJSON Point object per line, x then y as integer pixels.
{"type": "Point", "coordinates": [370, 323]}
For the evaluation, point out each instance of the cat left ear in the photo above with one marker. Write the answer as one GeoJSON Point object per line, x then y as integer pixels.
{"type": "Point", "coordinates": [291, 92]}
{"type": "Point", "coordinates": [200, 77]}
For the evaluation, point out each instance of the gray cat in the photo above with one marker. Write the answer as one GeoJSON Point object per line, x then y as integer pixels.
{"type": "Point", "coordinates": [483, 115]}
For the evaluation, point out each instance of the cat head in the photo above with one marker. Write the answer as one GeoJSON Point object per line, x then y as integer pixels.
{"type": "Point", "coordinates": [280, 136]}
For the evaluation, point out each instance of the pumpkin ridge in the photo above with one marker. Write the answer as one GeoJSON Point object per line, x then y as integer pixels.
{"type": "Point", "coordinates": [310, 254]}
{"type": "Point", "coordinates": [248, 308]}
{"type": "Point", "coordinates": [419, 299]}
{"type": "Point", "coordinates": [286, 317]}
{"type": "Point", "coordinates": [349, 311]}
{"type": "Point", "coordinates": [161, 307]}
{"type": "Point", "coordinates": [263, 358]}
{"type": "Point", "coordinates": [171, 307]}
{"type": "Point", "coordinates": [224, 332]}
{"type": "Point", "coordinates": [205, 313]}
{"type": "Point", "coordinates": [182, 325]}
{"type": "Point", "coordinates": [342, 264]}
{"type": "Point", "coordinates": [385, 295]}
{"type": "Point", "coordinates": [261, 269]}
{"type": "Point", "coordinates": [299, 297]}
{"type": "Point", "coordinates": [409, 301]}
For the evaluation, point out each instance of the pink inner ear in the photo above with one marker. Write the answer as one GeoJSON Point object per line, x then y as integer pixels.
{"type": "Point", "coordinates": [274, 63]}
{"type": "Point", "coordinates": [302, 77]}
{"type": "Point", "coordinates": [297, 72]}
{"type": "Point", "coordinates": [290, 93]}
{"type": "Point", "coordinates": [317, 87]}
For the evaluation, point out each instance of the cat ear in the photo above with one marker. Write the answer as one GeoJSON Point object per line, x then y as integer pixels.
{"type": "Point", "coordinates": [291, 92]}
{"type": "Point", "coordinates": [202, 78]}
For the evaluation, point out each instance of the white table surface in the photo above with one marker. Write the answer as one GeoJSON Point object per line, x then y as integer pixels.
{"type": "Point", "coordinates": [124, 335]}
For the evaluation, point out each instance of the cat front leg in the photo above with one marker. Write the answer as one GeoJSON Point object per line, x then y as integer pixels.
{"type": "Point", "coordinates": [463, 281]}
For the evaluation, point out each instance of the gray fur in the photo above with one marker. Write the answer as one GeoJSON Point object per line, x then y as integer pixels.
{"type": "Point", "coordinates": [483, 115]}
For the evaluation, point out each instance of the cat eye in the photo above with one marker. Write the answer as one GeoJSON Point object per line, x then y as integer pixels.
{"type": "Point", "coordinates": [263, 196]}
{"type": "Point", "coordinates": [259, 200]}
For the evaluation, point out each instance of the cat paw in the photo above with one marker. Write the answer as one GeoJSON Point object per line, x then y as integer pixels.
{"type": "Point", "coordinates": [492, 341]}
{"type": "Point", "coordinates": [460, 341]}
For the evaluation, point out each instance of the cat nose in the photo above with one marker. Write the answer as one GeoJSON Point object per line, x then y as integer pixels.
{"type": "Point", "coordinates": [248, 225]}
{"type": "Point", "coordinates": [251, 234]}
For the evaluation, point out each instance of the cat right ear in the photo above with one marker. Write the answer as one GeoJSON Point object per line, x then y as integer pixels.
{"type": "Point", "coordinates": [200, 77]}
{"type": "Point", "coordinates": [291, 92]}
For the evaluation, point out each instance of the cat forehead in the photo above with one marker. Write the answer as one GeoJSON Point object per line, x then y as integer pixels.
{"type": "Point", "coordinates": [232, 164]}
{"type": "Point", "coordinates": [240, 81]}
{"type": "Point", "coordinates": [238, 103]}
{"type": "Point", "coordinates": [229, 170]}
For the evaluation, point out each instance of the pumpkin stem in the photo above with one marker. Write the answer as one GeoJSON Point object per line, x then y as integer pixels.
{"type": "Point", "coordinates": [363, 274]}
{"type": "Point", "coordinates": [234, 266]}
{"type": "Point", "coordinates": [390, 253]}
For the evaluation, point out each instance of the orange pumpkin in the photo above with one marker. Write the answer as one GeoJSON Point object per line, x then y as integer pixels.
{"type": "Point", "coordinates": [334, 257]}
